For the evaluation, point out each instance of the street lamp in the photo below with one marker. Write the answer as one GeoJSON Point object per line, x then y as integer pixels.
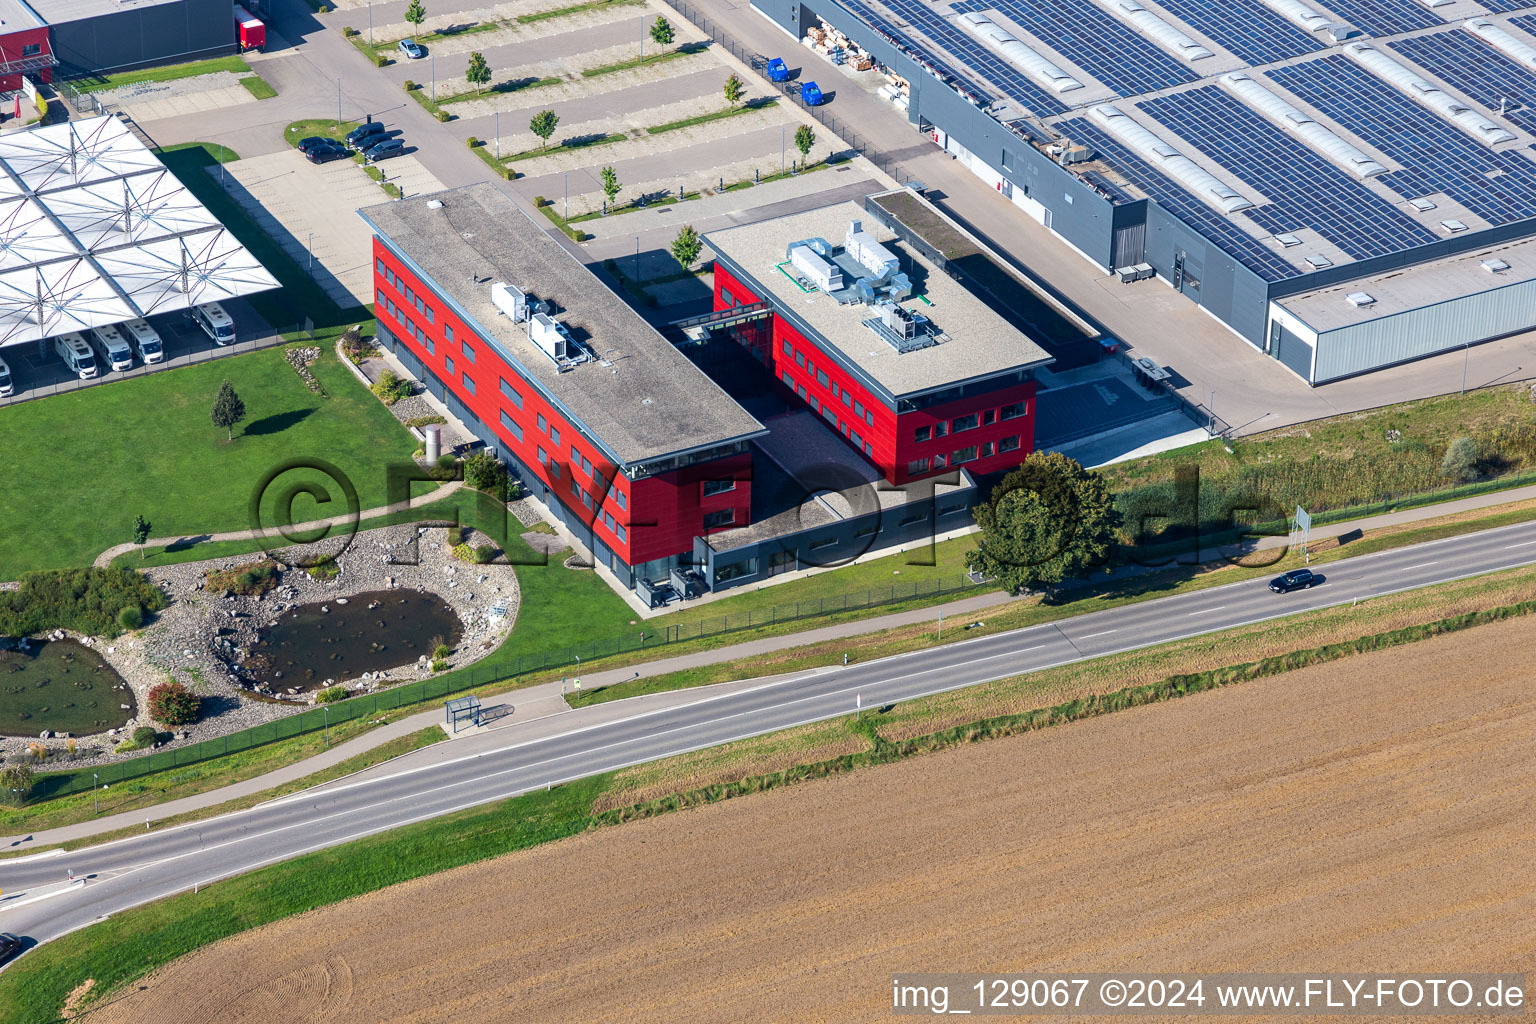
{"type": "Point", "coordinates": [338, 103]}
{"type": "Point", "coordinates": [565, 204]}
{"type": "Point", "coordinates": [1465, 348]}
{"type": "Point", "coordinates": [1211, 408]}
{"type": "Point", "coordinates": [311, 248]}
{"type": "Point", "coordinates": [95, 799]}
{"type": "Point", "coordinates": [498, 135]}
{"type": "Point", "coordinates": [637, 261]}
{"type": "Point", "coordinates": [326, 712]}
{"type": "Point", "coordinates": [434, 76]}
{"type": "Point", "coordinates": [370, 24]}
{"type": "Point", "coordinates": [782, 127]}
{"type": "Point", "coordinates": [578, 674]}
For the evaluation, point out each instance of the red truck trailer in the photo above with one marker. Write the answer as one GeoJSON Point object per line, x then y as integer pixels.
{"type": "Point", "coordinates": [252, 33]}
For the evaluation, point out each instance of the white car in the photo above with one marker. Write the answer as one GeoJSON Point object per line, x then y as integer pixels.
{"type": "Point", "coordinates": [6, 386]}
{"type": "Point", "coordinates": [412, 49]}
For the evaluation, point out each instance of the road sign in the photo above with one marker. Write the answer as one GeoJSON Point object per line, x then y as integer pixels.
{"type": "Point", "coordinates": [1303, 521]}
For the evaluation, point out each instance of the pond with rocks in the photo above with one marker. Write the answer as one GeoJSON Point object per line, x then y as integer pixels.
{"type": "Point", "coordinates": [60, 686]}
{"type": "Point", "coordinates": [331, 642]}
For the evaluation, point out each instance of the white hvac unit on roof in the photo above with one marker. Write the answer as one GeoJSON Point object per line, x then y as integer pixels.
{"type": "Point", "coordinates": [868, 253]}
{"type": "Point", "coordinates": [510, 300]}
{"type": "Point", "coordinates": [550, 336]}
{"type": "Point", "coordinates": [825, 275]}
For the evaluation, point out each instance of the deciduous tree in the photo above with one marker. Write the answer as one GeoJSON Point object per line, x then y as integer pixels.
{"type": "Point", "coordinates": [478, 73]}
{"type": "Point", "coordinates": [416, 13]}
{"type": "Point", "coordinates": [543, 125]}
{"type": "Point", "coordinates": [687, 246]}
{"type": "Point", "coordinates": [805, 138]}
{"type": "Point", "coordinates": [734, 90]}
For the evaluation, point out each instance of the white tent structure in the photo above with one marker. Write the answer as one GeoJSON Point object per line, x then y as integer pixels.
{"type": "Point", "coordinates": [94, 230]}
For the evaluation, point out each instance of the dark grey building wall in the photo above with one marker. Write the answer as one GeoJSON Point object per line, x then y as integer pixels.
{"type": "Point", "coordinates": [165, 33]}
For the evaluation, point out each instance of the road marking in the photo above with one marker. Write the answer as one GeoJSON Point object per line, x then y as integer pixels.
{"type": "Point", "coordinates": [1206, 611]}
{"type": "Point", "coordinates": [1106, 632]}
{"type": "Point", "coordinates": [1421, 565]}
{"type": "Point", "coordinates": [1522, 544]}
{"type": "Point", "coordinates": [78, 883]}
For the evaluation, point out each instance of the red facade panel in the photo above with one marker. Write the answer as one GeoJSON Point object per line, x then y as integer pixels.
{"type": "Point", "coordinates": [891, 441]}
{"type": "Point", "coordinates": [24, 44]}
{"type": "Point", "coordinates": [643, 520]}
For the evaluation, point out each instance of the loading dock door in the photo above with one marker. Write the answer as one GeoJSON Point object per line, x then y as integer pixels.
{"type": "Point", "coordinates": [1293, 352]}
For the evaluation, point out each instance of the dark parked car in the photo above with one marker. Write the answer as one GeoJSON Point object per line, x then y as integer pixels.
{"type": "Point", "coordinates": [365, 135]}
{"type": "Point", "coordinates": [1296, 579]}
{"type": "Point", "coordinates": [314, 140]}
{"type": "Point", "coordinates": [326, 153]}
{"type": "Point", "coordinates": [384, 150]}
{"type": "Point", "coordinates": [10, 946]}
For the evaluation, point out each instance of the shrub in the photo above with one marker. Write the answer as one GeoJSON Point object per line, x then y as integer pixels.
{"type": "Point", "coordinates": [131, 617]}
{"type": "Point", "coordinates": [440, 652]}
{"type": "Point", "coordinates": [439, 666]}
{"type": "Point", "coordinates": [331, 694]}
{"type": "Point", "coordinates": [326, 570]}
{"type": "Point", "coordinates": [354, 347]}
{"type": "Point", "coordinates": [442, 115]}
{"type": "Point", "coordinates": [15, 782]}
{"type": "Point", "coordinates": [84, 600]}
{"type": "Point", "coordinates": [249, 579]}
{"type": "Point", "coordinates": [171, 703]}
{"type": "Point", "coordinates": [484, 554]}
{"type": "Point", "coordinates": [485, 472]}
{"type": "Point", "coordinates": [410, 86]}
{"type": "Point", "coordinates": [391, 387]}
{"type": "Point", "coordinates": [455, 536]}
{"type": "Point", "coordinates": [421, 421]}
{"type": "Point", "coordinates": [349, 32]}
{"type": "Point", "coordinates": [509, 174]}
{"type": "Point", "coordinates": [463, 552]}
{"type": "Point", "coordinates": [539, 202]}
{"type": "Point", "coordinates": [323, 9]}
{"type": "Point", "coordinates": [146, 735]}
{"type": "Point", "coordinates": [1460, 462]}
{"type": "Point", "coordinates": [474, 143]}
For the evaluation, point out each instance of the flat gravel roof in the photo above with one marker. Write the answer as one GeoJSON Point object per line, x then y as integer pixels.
{"type": "Point", "coordinates": [980, 342]}
{"type": "Point", "coordinates": [650, 401]}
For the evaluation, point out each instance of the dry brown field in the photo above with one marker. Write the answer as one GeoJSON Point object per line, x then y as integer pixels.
{"type": "Point", "coordinates": [1373, 814]}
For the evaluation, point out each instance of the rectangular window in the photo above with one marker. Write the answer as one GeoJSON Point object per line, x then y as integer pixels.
{"type": "Point", "coordinates": [724, 517]}
{"type": "Point", "coordinates": [799, 357]}
{"type": "Point", "coordinates": [718, 486]}
{"type": "Point", "coordinates": [864, 531]}
{"type": "Point", "coordinates": [970, 422]}
{"type": "Point", "coordinates": [31, 49]}
{"type": "Point", "coordinates": [1008, 444]}
{"type": "Point", "coordinates": [378, 265]}
{"type": "Point", "coordinates": [940, 429]}
{"type": "Point", "coordinates": [858, 441]}
{"type": "Point", "coordinates": [842, 428]}
{"type": "Point", "coordinates": [821, 544]}
{"type": "Point", "coordinates": [988, 449]}
{"type": "Point", "coordinates": [917, 466]}
{"type": "Point", "coordinates": [869, 449]}
{"type": "Point", "coordinates": [726, 297]}
{"type": "Point", "coordinates": [922, 433]}
{"type": "Point", "coordinates": [469, 351]}
{"type": "Point", "coordinates": [989, 417]}
{"type": "Point", "coordinates": [951, 510]}
{"type": "Point", "coordinates": [586, 499]}
{"type": "Point", "coordinates": [921, 517]}
{"type": "Point", "coordinates": [554, 434]}
{"type": "Point", "coordinates": [858, 409]}
{"type": "Point", "coordinates": [869, 417]}
{"type": "Point", "coordinates": [815, 405]}
{"type": "Point", "coordinates": [1012, 412]}
{"type": "Point", "coordinates": [575, 457]}
{"type": "Point", "coordinates": [511, 425]}
{"type": "Point", "coordinates": [576, 490]}
{"type": "Point", "coordinates": [448, 363]}
{"type": "Point", "coordinates": [960, 455]}
{"type": "Point", "coordinates": [379, 300]}
{"type": "Point", "coordinates": [543, 458]}
{"type": "Point", "coordinates": [586, 465]}
{"type": "Point", "coordinates": [789, 349]}
{"type": "Point", "coordinates": [426, 311]}
{"type": "Point", "coordinates": [828, 415]}
{"type": "Point", "coordinates": [512, 393]}
{"type": "Point", "coordinates": [554, 469]}
{"type": "Point", "coordinates": [847, 398]}
{"type": "Point", "coordinates": [410, 296]}
{"type": "Point", "coordinates": [618, 531]}
{"type": "Point", "coordinates": [938, 461]}
{"type": "Point", "coordinates": [620, 500]}
{"type": "Point", "coordinates": [800, 390]}
{"type": "Point", "coordinates": [789, 381]}
{"type": "Point", "coordinates": [448, 333]}
{"type": "Point", "coordinates": [543, 424]}
{"type": "Point", "coordinates": [469, 384]}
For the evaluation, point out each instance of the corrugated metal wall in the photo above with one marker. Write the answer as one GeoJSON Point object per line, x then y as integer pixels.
{"type": "Point", "coordinates": [1422, 332]}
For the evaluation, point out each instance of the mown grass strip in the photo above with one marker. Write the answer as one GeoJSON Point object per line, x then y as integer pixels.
{"type": "Point", "coordinates": [122, 948]}
{"type": "Point", "coordinates": [511, 85]}
{"type": "Point", "coordinates": [570, 145]}
{"type": "Point", "coordinates": [259, 87]}
{"type": "Point", "coordinates": [169, 73]}
{"type": "Point", "coordinates": [686, 50]}
{"type": "Point", "coordinates": [565, 12]}
{"type": "Point", "coordinates": [713, 115]}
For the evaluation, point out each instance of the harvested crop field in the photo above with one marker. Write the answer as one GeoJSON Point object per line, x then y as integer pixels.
{"type": "Point", "coordinates": [1373, 814]}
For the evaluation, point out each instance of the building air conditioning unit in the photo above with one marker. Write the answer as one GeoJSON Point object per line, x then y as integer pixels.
{"type": "Point", "coordinates": [822, 273]}
{"type": "Point", "coordinates": [510, 300]}
{"type": "Point", "coordinates": [868, 253]}
{"type": "Point", "coordinates": [551, 336]}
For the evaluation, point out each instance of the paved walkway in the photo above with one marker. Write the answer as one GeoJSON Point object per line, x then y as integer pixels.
{"type": "Point", "coordinates": [105, 558]}
{"type": "Point", "coordinates": [539, 711]}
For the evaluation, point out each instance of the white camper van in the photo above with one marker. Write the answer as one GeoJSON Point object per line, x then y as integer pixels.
{"type": "Point", "coordinates": [110, 344]}
{"type": "Point", "coordinates": [145, 340]}
{"type": "Point", "coordinates": [76, 355]}
{"type": "Point", "coordinates": [216, 323]}
{"type": "Point", "coordinates": [6, 385]}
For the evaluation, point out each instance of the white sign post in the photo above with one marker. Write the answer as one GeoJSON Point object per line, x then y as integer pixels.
{"type": "Point", "coordinates": [1304, 527]}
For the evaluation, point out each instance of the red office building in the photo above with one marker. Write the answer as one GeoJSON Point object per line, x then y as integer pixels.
{"type": "Point", "coordinates": [907, 366]}
{"type": "Point", "coordinates": [618, 434]}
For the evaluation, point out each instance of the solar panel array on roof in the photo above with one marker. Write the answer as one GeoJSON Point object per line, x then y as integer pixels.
{"type": "Point", "coordinates": [1478, 70]}
{"type": "Point", "coordinates": [1385, 17]}
{"type": "Point", "coordinates": [1306, 190]}
{"type": "Point", "coordinates": [1246, 27]}
{"type": "Point", "coordinates": [1436, 157]}
{"type": "Point", "coordinates": [1503, 6]}
{"type": "Point", "coordinates": [1179, 201]}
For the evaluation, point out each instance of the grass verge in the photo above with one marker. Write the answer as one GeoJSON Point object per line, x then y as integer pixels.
{"type": "Point", "coordinates": [713, 115]}
{"type": "Point", "coordinates": [686, 50]}
{"type": "Point", "coordinates": [124, 947]}
{"type": "Point", "coordinates": [168, 73]}
{"type": "Point", "coordinates": [419, 93]}
{"type": "Point", "coordinates": [258, 87]}
{"type": "Point", "coordinates": [511, 85]}
{"type": "Point", "coordinates": [581, 8]}
{"type": "Point", "coordinates": [570, 145]}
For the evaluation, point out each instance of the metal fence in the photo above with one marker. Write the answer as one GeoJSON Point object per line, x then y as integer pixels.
{"type": "Point", "coordinates": [368, 706]}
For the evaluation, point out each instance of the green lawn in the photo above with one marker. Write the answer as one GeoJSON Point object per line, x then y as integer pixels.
{"type": "Point", "coordinates": [259, 87]}
{"type": "Point", "coordinates": [561, 12]}
{"type": "Point", "coordinates": [713, 115]}
{"type": "Point", "coordinates": [686, 50]}
{"type": "Point", "coordinates": [166, 73]}
{"type": "Point", "coordinates": [146, 446]}
{"type": "Point", "coordinates": [511, 85]}
{"type": "Point", "coordinates": [324, 127]}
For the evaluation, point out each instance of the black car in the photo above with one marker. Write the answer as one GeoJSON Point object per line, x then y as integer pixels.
{"type": "Point", "coordinates": [326, 153]}
{"type": "Point", "coordinates": [314, 140]}
{"type": "Point", "coordinates": [1296, 579]}
{"type": "Point", "coordinates": [384, 150]}
{"type": "Point", "coordinates": [10, 946]}
{"type": "Point", "coordinates": [365, 135]}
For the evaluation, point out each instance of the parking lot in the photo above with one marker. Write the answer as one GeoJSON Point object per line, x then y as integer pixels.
{"type": "Point", "coordinates": [37, 372]}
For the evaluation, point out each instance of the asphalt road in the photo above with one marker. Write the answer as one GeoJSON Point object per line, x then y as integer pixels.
{"type": "Point", "coordinates": [38, 900]}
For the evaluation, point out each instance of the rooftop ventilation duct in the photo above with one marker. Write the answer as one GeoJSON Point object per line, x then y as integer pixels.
{"type": "Point", "coordinates": [1361, 299]}
{"type": "Point", "coordinates": [1027, 59]}
{"type": "Point", "coordinates": [1155, 28]}
{"type": "Point", "coordinates": [1500, 39]}
{"type": "Point", "coordinates": [1428, 94]}
{"type": "Point", "coordinates": [1299, 14]}
{"type": "Point", "coordinates": [1167, 159]}
{"type": "Point", "coordinates": [1299, 123]}
{"type": "Point", "coordinates": [1495, 265]}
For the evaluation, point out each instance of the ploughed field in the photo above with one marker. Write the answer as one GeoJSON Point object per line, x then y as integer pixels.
{"type": "Point", "coordinates": [1374, 814]}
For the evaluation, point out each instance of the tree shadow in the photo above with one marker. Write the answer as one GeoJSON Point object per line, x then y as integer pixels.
{"type": "Point", "coordinates": [276, 423]}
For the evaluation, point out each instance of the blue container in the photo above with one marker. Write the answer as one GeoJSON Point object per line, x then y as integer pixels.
{"type": "Point", "coordinates": [811, 94]}
{"type": "Point", "coordinates": [777, 71]}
